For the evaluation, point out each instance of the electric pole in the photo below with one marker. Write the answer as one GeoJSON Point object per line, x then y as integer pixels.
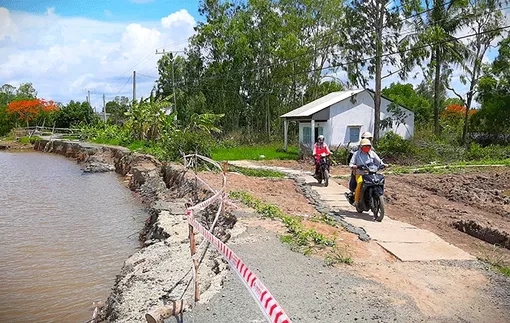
{"type": "Point", "coordinates": [104, 109]}
{"type": "Point", "coordinates": [134, 86]}
{"type": "Point", "coordinates": [173, 77]}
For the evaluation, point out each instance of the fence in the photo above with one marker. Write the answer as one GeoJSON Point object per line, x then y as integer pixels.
{"type": "Point", "coordinates": [266, 302]}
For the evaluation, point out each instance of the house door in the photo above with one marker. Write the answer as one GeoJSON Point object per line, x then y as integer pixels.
{"type": "Point", "coordinates": [318, 131]}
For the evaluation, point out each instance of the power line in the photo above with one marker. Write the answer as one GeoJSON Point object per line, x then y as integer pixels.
{"type": "Point", "coordinates": [296, 58]}
{"type": "Point", "coordinates": [374, 57]}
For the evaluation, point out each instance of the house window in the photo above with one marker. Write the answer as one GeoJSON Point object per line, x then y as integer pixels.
{"type": "Point", "coordinates": [307, 135]}
{"type": "Point", "coordinates": [354, 132]}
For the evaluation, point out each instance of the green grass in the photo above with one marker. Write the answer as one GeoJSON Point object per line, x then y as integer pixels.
{"type": "Point", "coordinates": [299, 237]}
{"type": "Point", "coordinates": [272, 151]}
{"type": "Point", "coordinates": [505, 270]}
{"type": "Point", "coordinates": [256, 172]}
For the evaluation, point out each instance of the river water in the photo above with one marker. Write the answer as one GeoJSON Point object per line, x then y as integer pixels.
{"type": "Point", "coordinates": [64, 235]}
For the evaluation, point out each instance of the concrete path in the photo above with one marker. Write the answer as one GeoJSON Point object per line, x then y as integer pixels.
{"type": "Point", "coordinates": [404, 241]}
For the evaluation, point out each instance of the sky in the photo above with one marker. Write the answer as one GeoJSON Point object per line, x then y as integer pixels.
{"type": "Point", "coordinates": [69, 47]}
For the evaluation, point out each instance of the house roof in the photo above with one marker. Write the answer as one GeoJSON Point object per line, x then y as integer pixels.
{"type": "Point", "coordinates": [320, 104]}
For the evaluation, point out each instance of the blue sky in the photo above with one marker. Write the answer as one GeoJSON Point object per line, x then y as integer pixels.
{"type": "Point", "coordinates": [66, 48]}
{"type": "Point", "coordinates": [108, 10]}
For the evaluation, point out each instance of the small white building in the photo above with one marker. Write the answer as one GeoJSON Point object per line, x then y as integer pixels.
{"type": "Point", "coordinates": [343, 116]}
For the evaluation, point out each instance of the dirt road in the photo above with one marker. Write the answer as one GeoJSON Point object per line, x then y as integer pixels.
{"type": "Point", "coordinates": [376, 287]}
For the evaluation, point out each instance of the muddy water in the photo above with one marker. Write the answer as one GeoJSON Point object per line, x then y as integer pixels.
{"type": "Point", "coordinates": [64, 235]}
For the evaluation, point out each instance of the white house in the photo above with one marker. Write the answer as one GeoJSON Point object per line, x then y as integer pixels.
{"type": "Point", "coordinates": [343, 116]}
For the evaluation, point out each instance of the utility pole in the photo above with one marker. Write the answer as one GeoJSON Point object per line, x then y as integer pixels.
{"type": "Point", "coordinates": [173, 75]}
{"type": "Point", "coordinates": [134, 86]}
{"type": "Point", "coordinates": [104, 108]}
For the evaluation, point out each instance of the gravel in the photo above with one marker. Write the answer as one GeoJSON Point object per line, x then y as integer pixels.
{"type": "Point", "coordinates": [306, 289]}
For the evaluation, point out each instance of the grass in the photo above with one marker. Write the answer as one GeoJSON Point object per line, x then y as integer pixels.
{"type": "Point", "coordinates": [270, 152]}
{"type": "Point", "coordinates": [256, 172]}
{"type": "Point", "coordinates": [299, 237]}
{"type": "Point", "coordinates": [338, 256]}
{"type": "Point", "coordinates": [496, 260]}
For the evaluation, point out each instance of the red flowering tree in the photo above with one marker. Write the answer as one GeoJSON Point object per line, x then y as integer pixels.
{"type": "Point", "coordinates": [28, 110]}
{"type": "Point", "coordinates": [455, 111]}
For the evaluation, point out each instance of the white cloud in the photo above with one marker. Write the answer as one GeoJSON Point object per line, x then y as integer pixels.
{"type": "Point", "coordinates": [7, 27]}
{"type": "Point", "coordinates": [179, 18]}
{"type": "Point", "coordinates": [50, 11]}
{"type": "Point", "coordinates": [63, 57]}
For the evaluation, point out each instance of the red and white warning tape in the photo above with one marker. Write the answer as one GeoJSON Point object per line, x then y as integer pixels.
{"type": "Point", "coordinates": [267, 303]}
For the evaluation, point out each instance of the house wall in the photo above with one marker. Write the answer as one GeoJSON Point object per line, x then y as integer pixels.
{"type": "Point", "coordinates": [347, 114]}
{"type": "Point", "coordinates": [360, 113]}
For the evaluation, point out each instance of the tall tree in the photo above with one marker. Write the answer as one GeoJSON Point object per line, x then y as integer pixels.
{"type": "Point", "coordinates": [484, 22]}
{"type": "Point", "coordinates": [494, 95]}
{"type": "Point", "coordinates": [443, 20]}
{"type": "Point", "coordinates": [372, 29]}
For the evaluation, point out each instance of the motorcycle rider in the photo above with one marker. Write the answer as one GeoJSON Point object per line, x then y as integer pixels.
{"type": "Point", "coordinates": [352, 181]}
{"type": "Point", "coordinates": [363, 157]}
{"type": "Point", "coordinates": [319, 148]}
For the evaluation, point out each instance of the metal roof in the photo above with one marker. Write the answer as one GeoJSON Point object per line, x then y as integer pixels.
{"type": "Point", "coordinates": [320, 104]}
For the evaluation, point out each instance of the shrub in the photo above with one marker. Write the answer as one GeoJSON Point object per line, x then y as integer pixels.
{"type": "Point", "coordinates": [392, 145]}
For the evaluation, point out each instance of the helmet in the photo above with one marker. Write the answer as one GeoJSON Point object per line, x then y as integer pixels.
{"type": "Point", "coordinates": [366, 135]}
{"type": "Point", "coordinates": [321, 138]}
{"type": "Point", "coordinates": [365, 142]}
{"type": "Point", "coordinates": [366, 145]}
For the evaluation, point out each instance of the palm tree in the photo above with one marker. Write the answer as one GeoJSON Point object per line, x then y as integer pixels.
{"type": "Point", "coordinates": [443, 20]}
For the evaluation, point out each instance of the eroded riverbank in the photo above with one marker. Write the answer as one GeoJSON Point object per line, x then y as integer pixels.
{"type": "Point", "coordinates": [159, 272]}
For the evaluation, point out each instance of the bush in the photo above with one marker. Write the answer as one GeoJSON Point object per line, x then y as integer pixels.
{"type": "Point", "coordinates": [492, 152]}
{"type": "Point", "coordinates": [392, 145]}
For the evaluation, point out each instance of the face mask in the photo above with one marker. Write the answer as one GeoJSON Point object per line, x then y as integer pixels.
{"type": "Point", "coordinates": [365, 149]}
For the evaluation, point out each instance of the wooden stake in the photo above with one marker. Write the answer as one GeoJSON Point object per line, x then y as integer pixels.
{"type": "Point", "coordinates": [193, 249]}
{"type": "Point", "coordinates": [160, 314]}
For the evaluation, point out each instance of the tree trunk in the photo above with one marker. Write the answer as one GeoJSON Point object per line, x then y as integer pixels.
{"type": "Point", "coordinates": [378, 70]}
{"type": "Point", "coordinates": [437, 83]}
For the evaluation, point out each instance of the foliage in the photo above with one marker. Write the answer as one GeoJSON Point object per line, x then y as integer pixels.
{"type": "Point", "coordinates": [494, 116]}
{"type": "Point", "coordinates": [392, 145]}
{"type": "Point", "coordinates": [253, 61]}
{"type": "Point", "coordinates": [75, 113]}
{"type": "Point", "coordinates": [150, 129]}
{"type": "Point", "coordinates": [408, 97]}
{"type": "Point", "coordinates": [256, 172]}
{"type": "Point", "coordinates": [251, 152]}
{"type": "Point", "coordinates": [28, 110]}
{"type": "Point", "coordinates": [117, 109]}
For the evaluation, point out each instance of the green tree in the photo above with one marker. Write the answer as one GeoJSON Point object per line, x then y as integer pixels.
{"type": "Point", "coordinates": [75, 113]}
{"type": "Point", "coordinates": [494, 94]}
{"type": "Point", "coordinates": [117, 109]}
{"type": "Point", "coordinates": [484, 22]}
{"type": "Point", "coordinates": [443, 20]}
{"type": "Point", "coordinates": [405, 95]}
{"type": "Point", "coordinates": [372, 29]}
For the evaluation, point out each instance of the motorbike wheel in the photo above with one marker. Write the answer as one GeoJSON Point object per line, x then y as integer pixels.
{"type": "Point", "coordinates": [325, 175]}
{"type": "Point", "coordinates": [378, 208]}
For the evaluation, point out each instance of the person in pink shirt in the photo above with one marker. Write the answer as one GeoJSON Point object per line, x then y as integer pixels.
{"type": "Point", "coordinates": [319, 148]}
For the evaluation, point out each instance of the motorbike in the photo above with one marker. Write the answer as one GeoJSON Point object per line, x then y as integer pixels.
{"type": "Point", "coordinates": [372, 191]}
{"type": "Point", "coordinates": [323, 174]}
